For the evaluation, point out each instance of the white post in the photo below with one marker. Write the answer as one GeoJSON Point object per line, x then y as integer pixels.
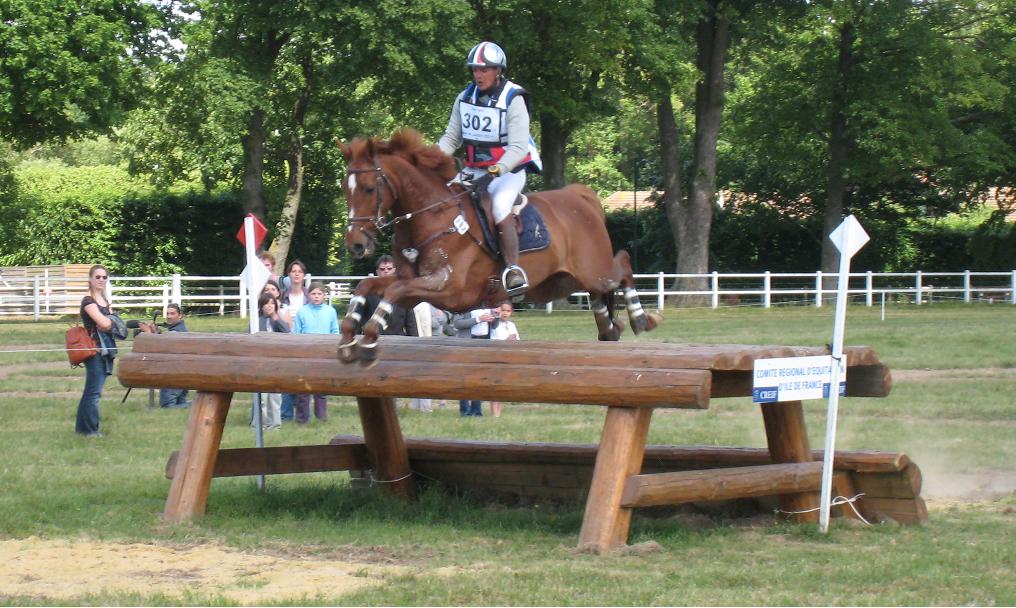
{"type": "Point", "coordinates": [1012, 287]}
{"type": "Point", "coordinates": [165, 299]}
{"type": "Point", "coordinates": [848, 238]}
{"type": "Point", "coordinates": [550, 307]}
{"type": "Point", "coordinates": [883, 305]}
{"type": "Point", "coordinates": [818, 289]}
{"type": "Point", "coordinates": [966, 287]}
{"type": "Point", "coordinates": [46, 288]}
{"type": "Point", "coordinates": [35, 296]}
{"type": "Point", "coordinates": [716, 289]}
{"type": "Point", "coordinates": [177, 295]}
{"type": "Point", "coordinates": [243, 299]}
{"type": "Point", "coordinates": [222, 300]}
{"type": "Point", "coordinates": [252, 307]}
{"type": "Point", "coordinates": [920, 289]}
{"type": "Point", "coordinates": [767, 285]}
{"type": "Point", "coordinates": [661, 300]}
{"type": "Point", "coordinates": [869, 284]}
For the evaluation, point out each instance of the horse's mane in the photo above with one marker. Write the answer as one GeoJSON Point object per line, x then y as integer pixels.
{"type": "Point", "coordinates": [408, 144]}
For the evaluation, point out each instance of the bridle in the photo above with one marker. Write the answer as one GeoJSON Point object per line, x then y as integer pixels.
{"type": "Point", "coordinates": [382, 181]}
{"type": "Point", "coordinates": [380, 225]}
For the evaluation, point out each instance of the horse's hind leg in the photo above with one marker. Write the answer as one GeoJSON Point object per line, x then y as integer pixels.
{"type": "Point", "coordinates": [637, 316]}
{"type": "Point", "coordinates": [608, 328]}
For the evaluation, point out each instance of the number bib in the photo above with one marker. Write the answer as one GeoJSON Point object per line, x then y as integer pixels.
{"type": "Point", "coordinates": [480, 124]}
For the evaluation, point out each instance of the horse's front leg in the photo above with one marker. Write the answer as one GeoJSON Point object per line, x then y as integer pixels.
{"type": "Point", "coordinates": [426, 288]}
{"type": "Point", "coordinates": [353, 320]}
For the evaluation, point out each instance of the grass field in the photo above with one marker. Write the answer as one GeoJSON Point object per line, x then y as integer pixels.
{"type": "Point", "coordinates": [951, 410]}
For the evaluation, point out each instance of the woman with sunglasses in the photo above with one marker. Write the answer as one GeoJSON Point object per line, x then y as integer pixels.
{"type": "Point", "coordinates": [95, 311]}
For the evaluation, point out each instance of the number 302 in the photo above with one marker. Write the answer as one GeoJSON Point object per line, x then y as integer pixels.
{"type": "Point", "coordinates": [474, 121]}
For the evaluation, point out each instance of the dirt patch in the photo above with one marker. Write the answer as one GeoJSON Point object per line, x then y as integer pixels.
{"type": "Point", "coordinates": [60, 570]}
{"type": "Point", "coordinates": [989, 485]}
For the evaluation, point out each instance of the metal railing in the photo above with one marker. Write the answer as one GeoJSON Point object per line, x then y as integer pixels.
{"type": "Point", "coordinates": [39, 296]}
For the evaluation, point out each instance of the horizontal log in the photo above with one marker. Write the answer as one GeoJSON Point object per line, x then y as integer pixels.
{"type": "Point", "coordinates": [238, 462]}
{"type": "Point", "coordinates": [425, 379]}
{"type": "Point", "coordinates": [721, 484]}
{"type": "Point", "coordinates": [657, 355]}
{"type": "Point", "coordinates": [657, 457]}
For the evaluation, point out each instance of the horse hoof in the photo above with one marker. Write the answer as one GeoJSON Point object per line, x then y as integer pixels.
{"type": "Point", "coordinates": [367, 353]}
{"type": "Point", "coordinates": [347, 351]}
{"type": "Point", "coordinates": [613, 334]}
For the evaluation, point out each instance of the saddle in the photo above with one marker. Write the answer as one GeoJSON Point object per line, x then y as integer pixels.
{"type": "Point", "coordinates": [532, 230]}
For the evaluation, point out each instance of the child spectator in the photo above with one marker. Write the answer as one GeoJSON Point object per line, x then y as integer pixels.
{"type": "Point", "coordinates": [505, 330]}
{"type": "Point", "coordinates": [271, 321]}
{"type": "Point", "coordinates": [315, 317]}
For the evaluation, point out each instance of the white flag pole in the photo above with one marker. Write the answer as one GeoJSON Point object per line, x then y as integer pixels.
{"type": "Point", "coordinates": [253, 292]}
{"type": "Point", "coordinates": [848, 237]}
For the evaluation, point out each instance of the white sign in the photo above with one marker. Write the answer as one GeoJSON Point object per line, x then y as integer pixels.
{"type": "Point", "coordinates": [792, 379]}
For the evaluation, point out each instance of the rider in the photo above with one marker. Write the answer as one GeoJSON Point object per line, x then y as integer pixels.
{"type": "Point", "coordinates": [491, 117]}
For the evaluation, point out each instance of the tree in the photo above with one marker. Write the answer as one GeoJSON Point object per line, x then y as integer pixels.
{"type": "Point", "coordinates": [72, 67]}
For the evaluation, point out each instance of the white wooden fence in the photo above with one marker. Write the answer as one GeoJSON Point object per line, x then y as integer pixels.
{"type": "Point", "coordinates": [41, 296]}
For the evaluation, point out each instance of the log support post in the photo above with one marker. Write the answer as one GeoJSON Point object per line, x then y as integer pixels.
{"type": "Point", "coordinates": [386, 447]}
{"type": "Point", "coordinates": [188, 494]}
{"type": "Point", "coordinates": [787, 437]}
{"type": "Point", "coordinates": [622, 447]}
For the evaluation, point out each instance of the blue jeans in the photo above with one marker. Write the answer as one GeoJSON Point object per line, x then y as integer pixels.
{"type": "Point", "coordinates": [286, 410]}
{"type": "Point", "coordinates": [173, 397]}
{"type": "Point", "coordinates": [470, 407]}
{"type": "Point", "coordinates": [88, 407]}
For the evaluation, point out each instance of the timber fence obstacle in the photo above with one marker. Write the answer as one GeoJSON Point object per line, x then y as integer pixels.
{"type": "Point", "coordinates": [616, 477]}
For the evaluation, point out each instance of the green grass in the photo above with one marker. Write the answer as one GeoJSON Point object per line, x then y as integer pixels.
{"type": "Point", "coordinates": [957, 419]}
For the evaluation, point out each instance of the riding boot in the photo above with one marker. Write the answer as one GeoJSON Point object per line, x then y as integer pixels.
{"type": "Point", "coordinates": [514, 277]}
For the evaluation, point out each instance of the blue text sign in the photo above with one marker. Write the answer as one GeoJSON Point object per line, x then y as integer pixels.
{"type": "Point", "coordinates": [793, 379]}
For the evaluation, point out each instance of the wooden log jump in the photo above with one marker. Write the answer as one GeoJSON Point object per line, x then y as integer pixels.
{"type": "Point", "coordinates": [628, 379]}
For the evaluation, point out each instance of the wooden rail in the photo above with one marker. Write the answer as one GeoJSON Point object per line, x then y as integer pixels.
{"type": "Point", "coordinates": [630, 380]}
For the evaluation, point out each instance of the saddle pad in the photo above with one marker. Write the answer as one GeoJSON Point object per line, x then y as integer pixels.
{"type": "Point", "coordinates": [535, 235]}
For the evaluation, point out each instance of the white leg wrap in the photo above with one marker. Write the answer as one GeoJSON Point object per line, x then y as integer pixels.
{"type": "Point", "coordinates": [601, 310]}
{"type": "Point", "coordinates": [634, 306]}
{"type": "Point", "coordinates": [383, 310]}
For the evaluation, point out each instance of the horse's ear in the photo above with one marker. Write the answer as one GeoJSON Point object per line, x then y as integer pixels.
{"type": "Point", "coordinates": [347, 150]}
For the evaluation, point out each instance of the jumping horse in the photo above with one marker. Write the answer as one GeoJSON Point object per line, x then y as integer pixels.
{"type": "Point", "coordinates": [439, 249]}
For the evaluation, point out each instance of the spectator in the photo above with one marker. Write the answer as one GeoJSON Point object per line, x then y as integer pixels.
{"type": "Point", "coordinates": [314, 318]}
{"type": "Point", "coordinates": [427, 325]}
{"type": "Point", "coordinates": [272, 288]}
{"type": "Point", "coordinates": [294, 295]}
{"type": "Point", "coordinates": [269, 261]}
{"type": "Point", "coordinates": [475, 324]}
{"type": "Point", "coordinates": [95, 311]}
{"type": "Point", "coordinates": [270, 320]}
{"type": "Point", "coordinates": [400, 321]}
{"type": "Point", "coordinates": [505, 330]}
{"type": "Point", "coordinates": [174, 397]}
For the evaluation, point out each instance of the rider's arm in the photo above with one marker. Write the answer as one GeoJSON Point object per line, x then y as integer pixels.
{"type": "Point", "coordinates": [518, 135]}
{"type": "Point", "coordinates": [452, 138]}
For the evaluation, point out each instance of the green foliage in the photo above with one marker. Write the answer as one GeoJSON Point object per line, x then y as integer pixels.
{"type": "Point", "coordinates": [71, 66]}
{"type": "Point", "coordinates": [100, 214]}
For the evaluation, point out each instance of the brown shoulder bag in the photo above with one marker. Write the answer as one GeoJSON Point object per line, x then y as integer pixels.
{"type": "Point", "coordinates": [80, 345]}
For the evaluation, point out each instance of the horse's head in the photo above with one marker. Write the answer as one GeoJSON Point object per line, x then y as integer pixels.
{"type": "Point", "coordinates": [369, 195]}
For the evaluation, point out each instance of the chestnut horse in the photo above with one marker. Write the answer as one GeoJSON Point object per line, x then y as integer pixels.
{"type": "Point", "coordinates": [439, 249]}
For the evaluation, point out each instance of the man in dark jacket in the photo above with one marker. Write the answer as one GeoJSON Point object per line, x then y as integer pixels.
{"type": "Point", "coordinates": [401, 322]}
{"type": "Point", "coordinates": [172, 397]}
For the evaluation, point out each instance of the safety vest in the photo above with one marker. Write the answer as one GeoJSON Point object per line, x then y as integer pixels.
{"type": "Point", "coordinates": [485, 128]}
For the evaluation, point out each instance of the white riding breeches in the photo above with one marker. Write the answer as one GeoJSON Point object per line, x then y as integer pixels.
{"type": "Point", "coordinates": [504, 190]}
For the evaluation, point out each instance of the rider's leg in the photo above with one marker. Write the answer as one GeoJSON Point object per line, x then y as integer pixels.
{"type": "Point", "coordinates": [503, 192]}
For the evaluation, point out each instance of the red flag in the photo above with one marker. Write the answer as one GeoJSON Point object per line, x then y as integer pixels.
{"type": "Point", "coordinates": [259, 232]}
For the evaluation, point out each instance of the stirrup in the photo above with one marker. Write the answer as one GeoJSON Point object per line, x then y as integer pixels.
{"type": "Point", "coordinates": [516, 290]}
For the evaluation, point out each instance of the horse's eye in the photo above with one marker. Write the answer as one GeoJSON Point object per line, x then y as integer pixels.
{"type": "Point", "coordinates": [369, 189]}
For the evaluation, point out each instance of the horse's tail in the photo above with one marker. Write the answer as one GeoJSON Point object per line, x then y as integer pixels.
{"type": "Point", "coordinates": [586, 193]}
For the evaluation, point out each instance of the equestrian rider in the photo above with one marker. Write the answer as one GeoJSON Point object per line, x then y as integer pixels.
{"type": "Point", "coordinates": [491, 117]}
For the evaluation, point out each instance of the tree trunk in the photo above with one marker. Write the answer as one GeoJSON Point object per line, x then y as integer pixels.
{"type": "Point", "coordinates": [840, 144]}
{"type": "Point", "coordinates": [294, 188]}
{"type": "Point", "coordinates": [697, 216]}
{"type": "Point", "coordinates": [252, 197]}
{"type": "Point", "coordinates": [670, 160]}
{"type": "Point", "coordinates": [553, 138]}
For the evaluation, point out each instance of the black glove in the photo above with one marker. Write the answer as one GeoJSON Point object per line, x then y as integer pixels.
{"type": "Point", "coordinates": [480, 183]}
